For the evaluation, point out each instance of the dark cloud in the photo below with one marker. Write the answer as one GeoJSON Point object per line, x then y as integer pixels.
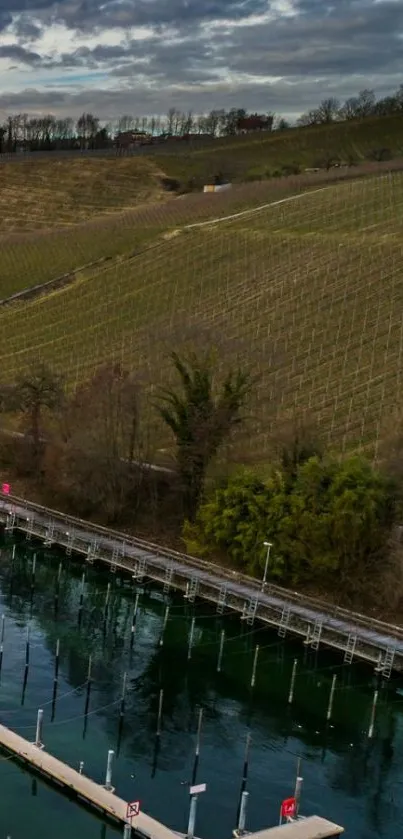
{"type": "Point", "coordinates": [325, 47]}
{"type": "Point", "coordinates": [19, 54]}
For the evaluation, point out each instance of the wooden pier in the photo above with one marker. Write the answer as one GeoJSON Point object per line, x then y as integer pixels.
{"type": "Point", "coordinates": [316, 622]}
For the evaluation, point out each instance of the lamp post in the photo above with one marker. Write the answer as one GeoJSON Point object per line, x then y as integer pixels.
{"type": "Point", "coordinates": [267, 545]}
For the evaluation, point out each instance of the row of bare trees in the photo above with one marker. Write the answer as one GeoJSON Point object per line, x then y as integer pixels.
{"type": "Point", "coordinates": [363, 105]}
{"type": "Point", "coordinates": [89, 445]}
{"type": "Point", "coordinates": [46, 133]}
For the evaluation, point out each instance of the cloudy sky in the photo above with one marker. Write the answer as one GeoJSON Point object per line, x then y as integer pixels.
{"type": "Point", "coordinates": [143, 56]}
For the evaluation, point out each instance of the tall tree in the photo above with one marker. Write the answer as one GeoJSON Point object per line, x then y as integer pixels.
{"type": "Point", "coordinates": [37, 390]}
{"type": "Point", "coordinates": [201, 420]}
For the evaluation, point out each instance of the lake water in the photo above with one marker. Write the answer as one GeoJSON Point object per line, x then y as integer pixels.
{"type": "Point", "coordinates": [349, 778]}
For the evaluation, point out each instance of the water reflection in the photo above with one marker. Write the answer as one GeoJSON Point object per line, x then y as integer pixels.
{"type": "Point", "coordinates": [106, 627]}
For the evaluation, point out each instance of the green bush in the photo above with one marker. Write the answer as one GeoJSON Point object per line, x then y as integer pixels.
{"type": "Point", "coordinates": [330, 526]}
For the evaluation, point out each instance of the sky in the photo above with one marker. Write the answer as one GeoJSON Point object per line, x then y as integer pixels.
{"type": "Point", "coordinates": [141, 57]}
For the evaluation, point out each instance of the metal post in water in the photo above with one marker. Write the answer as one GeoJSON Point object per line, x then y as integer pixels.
{"type": "Point", "coordinates": [197, 748]}
{"type": "Point", "coordinates": [57, 588]}
{"type": "Point", "coordinates": [242, 813]}
{"type": "Point", "coordinates": [331, 697]}
{"type": "Point", "coordinates": [221, 651]}
{"type": "Point", "coordinates": [127, 831]}
{"type": "Point", "coordinates": [159, 719]}
{"type": "Point", "coordinates": [39, 726]}
{"type": "Point", "coordinates": [80, 608]}
{"type": "Point", "coordinates": [373, 712]}
{"type": "Point", "coordinates": [27, 649]}
{"type": "Point", "coordinates": [108, 776]}
{"type": "Point", "coordinates": [87, 698]}
{"type": "Point", "coordinates": [107, 597]}
{"type": "Point", "coordinates": [244, 773]}
{"type": "Point", "coordinates": [297, 792]}
{"type": "Point", "coordinates": [191, 634]}
{"type": "Point", "coordinates": [122, 701]}
{"type": "Point", "coordinates": [134, 619]}
{"type": "Point", "coordinates": [3, 620]}
{"type": "Point", "coordinates": [253, 677]}
{"type": "Point", "coordinates": [164, 626]}
{"type": "Point", "coordinates": [192, 817]}
{"type": "Point", "coordinates": [55, 679]}
{"type": "Point", "coordinates": [292, 683]}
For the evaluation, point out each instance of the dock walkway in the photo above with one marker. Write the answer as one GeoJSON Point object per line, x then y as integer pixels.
{"type": "Point", "coordinates": [72, 782]}
{"type": "Point", "coordinates": [108, 804]}
{"type": "Point", "coordinates": [317, 622]}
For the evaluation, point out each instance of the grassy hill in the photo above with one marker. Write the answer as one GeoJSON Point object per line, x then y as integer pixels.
{"type": "Point", "coordinates": [47, 193]}
{"type": "Point", "coordinates": [253, 157]}
{"type": "Point", "coordinates": [307, 292]}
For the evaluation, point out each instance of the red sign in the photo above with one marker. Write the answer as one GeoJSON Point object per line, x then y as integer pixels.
{"type": "Point", "coordinates": [288, 808]}
{"type": "Point", "coordinates": [133, 809]}
{"type": "Point", "coordinates": [5, 488]}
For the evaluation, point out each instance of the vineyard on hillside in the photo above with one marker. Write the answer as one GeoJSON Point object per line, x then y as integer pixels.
{"type": "Point", "coordinates": [306, 292]}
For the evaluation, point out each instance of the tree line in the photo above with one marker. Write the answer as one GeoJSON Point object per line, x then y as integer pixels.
{"type": "Point", "coordinates": [47, 133]}
{"type": "Point", "coordinates": [330, 520]}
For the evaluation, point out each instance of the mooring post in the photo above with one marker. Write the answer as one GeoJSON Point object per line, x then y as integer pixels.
{"type": "Point", "coordinates": [292, 683]}
{"type": "Point", "coordinates": [197, 747]}
{"type": "Point", "coordinates": [221, 651]}
{"type": "Point", "coordinates": [39, 726]}
{"type": "Point", "coordinates": [134, 619]}
{"type": "Point", "coordinates": [164, 626]}
{"type": "Point", "coordinates": [57, 589]}
{"type": "Point", "coordinates": [3, 620]}
{"type": "Point", "coordinates": [127, 831]}
{"type": "Point", "coordinates": [191, 634]}
{"type": "Point", "coordinates": [192, 817]}
{"type": "Point", "coordinates": [159, 718]}
{"type": "Point", "coordinates": [81, 767]}
{"type": "Point", "coordinates": [107, 598]}
{"type": "Point", "coordinates": [33, 572]}
{"type": "Point", "coordinates": [122, 701]}
{"type": "Point", "coordinates": [242, 812]}
{"type": "Point", "coordinates": [373, 712]}
{"type": "Point", "coordinates": [87, 698]}
{"type": "Point", "coordinates": [80, 607]}
{"type": "Point", "coordinates": [108, 776]}
{"type": "Point", "coordinates": [27, 649]}
{"type": "Point", "coordinates": [255, 658]}
{"type": "Point", "coordinates": [297, 792]}
{"type": "Point", "coordinates": [244, 773]}
{"type": "Point", "coordinates": [331, 697]}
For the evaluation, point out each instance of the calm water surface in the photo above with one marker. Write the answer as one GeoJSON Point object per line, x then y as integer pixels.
{"type": "Point", "coordinates": [347, 777]}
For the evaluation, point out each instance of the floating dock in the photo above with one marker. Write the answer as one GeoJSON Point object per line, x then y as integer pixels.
{"type": "Point", "coordinates": [83, 788]}
{"type": "Point", "coordinates": [316, 622]}
{"type": "Point", "coordinates": [108, 804]}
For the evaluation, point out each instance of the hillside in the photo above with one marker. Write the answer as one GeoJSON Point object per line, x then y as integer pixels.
{"type": "Point", "coordinates": [307, 292]}
{"type": "Point", "coordinates": [262, 156]}
{"type": "Point", "coordinates": [38, 194]}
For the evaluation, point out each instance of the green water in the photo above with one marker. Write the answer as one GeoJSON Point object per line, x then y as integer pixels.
{"type": "Point", "coordinates": [347, 777]}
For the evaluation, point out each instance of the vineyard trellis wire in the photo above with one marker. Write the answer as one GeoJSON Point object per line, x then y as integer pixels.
{"type": "Point", "coordinates": [306, 293]}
